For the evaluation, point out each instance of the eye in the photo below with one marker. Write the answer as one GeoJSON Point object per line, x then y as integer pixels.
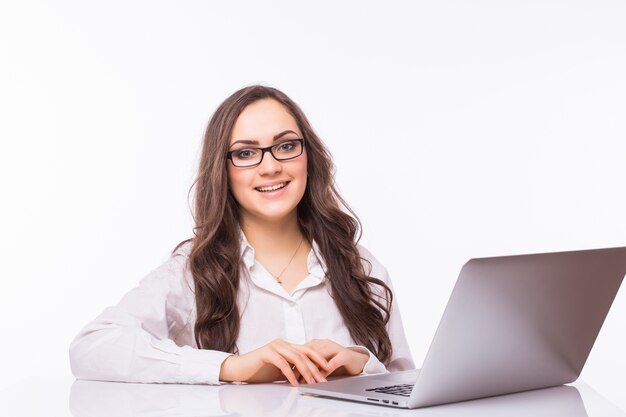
{"type": "Point", "coordinates": [245, 153]}
{"type": "Point", "coordinates": [287, 146]}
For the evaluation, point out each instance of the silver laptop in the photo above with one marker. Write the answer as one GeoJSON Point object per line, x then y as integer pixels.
{"type": "Point", "coordinates": [513, 323]}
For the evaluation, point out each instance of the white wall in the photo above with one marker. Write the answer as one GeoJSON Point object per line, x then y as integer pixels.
{"type": "Point", "coordinates": [459, 129]}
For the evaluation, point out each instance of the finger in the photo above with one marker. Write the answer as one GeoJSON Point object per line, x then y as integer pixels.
{"type": "Point", "coordinates": [315, 356]}
{"type": "Point", "coordinates": [327, 348]}
{"type": "Point", "coordinates": [331, 371]}
{"type": "Point", "coordinates": [287, 353]}
{"type": "Point", "coordinates": [293, 356]}
{"type": "Point", "coordinates": [317, 373]}
{"type": "Point", "coordinates": [337, 361]}
{"type": "Point", "coordinates": [317, 364]}
{"type": "Point", "coordinates": [313, 359]}
{"type": "Point", "coordinates": [350, 360]}
{"type": "Point", "coordinates": [297, 374]}
{"type": "Point", "coordinates": [281, 363]}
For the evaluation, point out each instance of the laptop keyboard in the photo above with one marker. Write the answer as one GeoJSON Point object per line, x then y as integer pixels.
{"type": "Point", "coordinates": [402, 389]}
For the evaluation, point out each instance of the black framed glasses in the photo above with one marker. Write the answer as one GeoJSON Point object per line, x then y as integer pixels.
{"type": "Point", "coordinates": [251, 156]}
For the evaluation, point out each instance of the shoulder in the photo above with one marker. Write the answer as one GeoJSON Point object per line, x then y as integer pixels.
{"type": "Point", "coordinates": [183, 249]}
{"type": "Point", "coordinates": [173, 275]}
{"type": "Point", "coordinates": [180, 256]}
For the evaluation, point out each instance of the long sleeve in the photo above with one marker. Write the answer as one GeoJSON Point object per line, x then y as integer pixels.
{"type": "Point", "coordinates": [134, 340]}
{"type": "Point", "coordinates": [401, 358]}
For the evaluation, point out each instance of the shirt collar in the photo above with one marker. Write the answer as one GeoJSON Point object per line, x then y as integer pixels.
{"type": "Point", "coordinates": [246, 250]}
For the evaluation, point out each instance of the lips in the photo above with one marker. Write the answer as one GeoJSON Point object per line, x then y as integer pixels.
{"type": "Point", "coordinates": [272, 187]}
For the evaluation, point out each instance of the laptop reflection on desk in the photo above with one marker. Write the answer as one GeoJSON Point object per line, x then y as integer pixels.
{"type": "Point", "coordinates": [560, 401]}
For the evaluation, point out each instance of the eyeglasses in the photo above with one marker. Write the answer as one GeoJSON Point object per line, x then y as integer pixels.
{"type": "Point", "coordinates": [250, 157]}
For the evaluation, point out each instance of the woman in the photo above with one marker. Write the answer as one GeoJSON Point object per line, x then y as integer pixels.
{"type": "Point", "coordinates": [272, 286]}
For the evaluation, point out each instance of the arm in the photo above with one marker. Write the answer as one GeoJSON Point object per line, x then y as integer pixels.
{"type": "Point", "coordinates": [132, 341]}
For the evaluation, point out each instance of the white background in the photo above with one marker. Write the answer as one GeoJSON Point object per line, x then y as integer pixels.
{"type": "Point", "coordinates": [459, 129]}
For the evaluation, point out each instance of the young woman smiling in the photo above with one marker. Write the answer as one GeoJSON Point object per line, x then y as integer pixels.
{"type": "Point", "coordinates": [273, 285]}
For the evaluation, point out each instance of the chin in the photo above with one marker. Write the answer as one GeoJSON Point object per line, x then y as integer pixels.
{"type": "Point", "coordinates": [275, 216]}
{"type": "Point", "coordinates": [275, 210]}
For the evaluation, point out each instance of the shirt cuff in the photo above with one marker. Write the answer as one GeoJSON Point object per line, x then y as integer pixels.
{"type": "Point", "coordinates": [373, 365]}
{"type": "Point", "coordinates": [201, 366]}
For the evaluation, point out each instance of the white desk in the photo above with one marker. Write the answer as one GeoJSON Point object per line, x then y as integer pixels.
{"type": "Point", "coordinates": [60, 397]}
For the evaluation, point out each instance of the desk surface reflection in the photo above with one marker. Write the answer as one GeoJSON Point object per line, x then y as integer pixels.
{"type": "Point", "coordinates": [100, 399]}
{"type": "Point", "coordinates": [277, 400]}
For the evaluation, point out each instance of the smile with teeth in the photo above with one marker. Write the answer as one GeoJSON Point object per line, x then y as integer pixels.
{"type": "Point", "coordinates": [272, 188]}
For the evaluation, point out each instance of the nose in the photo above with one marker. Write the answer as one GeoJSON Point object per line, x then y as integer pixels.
{"type": "Point", "coordinates": [269, 165]}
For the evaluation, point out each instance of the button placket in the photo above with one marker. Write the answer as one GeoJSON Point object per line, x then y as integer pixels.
{"type": "Point", "coordinates": [294, 323]}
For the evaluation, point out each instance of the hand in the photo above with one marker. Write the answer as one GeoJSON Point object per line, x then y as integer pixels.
{"type": "Point", "coordinates": [342, 361]}
{"type": "Point", "coordinates": [276, 361]}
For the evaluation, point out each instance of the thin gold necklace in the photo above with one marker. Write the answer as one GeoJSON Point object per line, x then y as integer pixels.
{"type": "Point", "coordinates": [277, 277]}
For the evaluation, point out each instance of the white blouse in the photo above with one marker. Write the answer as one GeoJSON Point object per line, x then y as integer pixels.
{"type": "Point", "coordinates": [149, 335]}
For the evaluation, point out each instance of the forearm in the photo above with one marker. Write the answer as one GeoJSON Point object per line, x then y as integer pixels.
{"type": "Point", "coordinates": [114, 352]}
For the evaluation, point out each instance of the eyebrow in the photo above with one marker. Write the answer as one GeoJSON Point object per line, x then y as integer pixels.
{"type": "Point", "coordinates": [256, 142]}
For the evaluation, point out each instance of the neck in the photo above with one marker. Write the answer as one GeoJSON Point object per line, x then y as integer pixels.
{"type": "Point", "coordinates": [280, 235]}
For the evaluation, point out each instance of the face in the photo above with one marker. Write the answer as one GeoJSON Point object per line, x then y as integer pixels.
{"type": "Point", "coordinates": [271, 190]}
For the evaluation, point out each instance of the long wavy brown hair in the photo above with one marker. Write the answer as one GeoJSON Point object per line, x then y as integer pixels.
{"type": "Point", "coordinates": [215, 260]}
